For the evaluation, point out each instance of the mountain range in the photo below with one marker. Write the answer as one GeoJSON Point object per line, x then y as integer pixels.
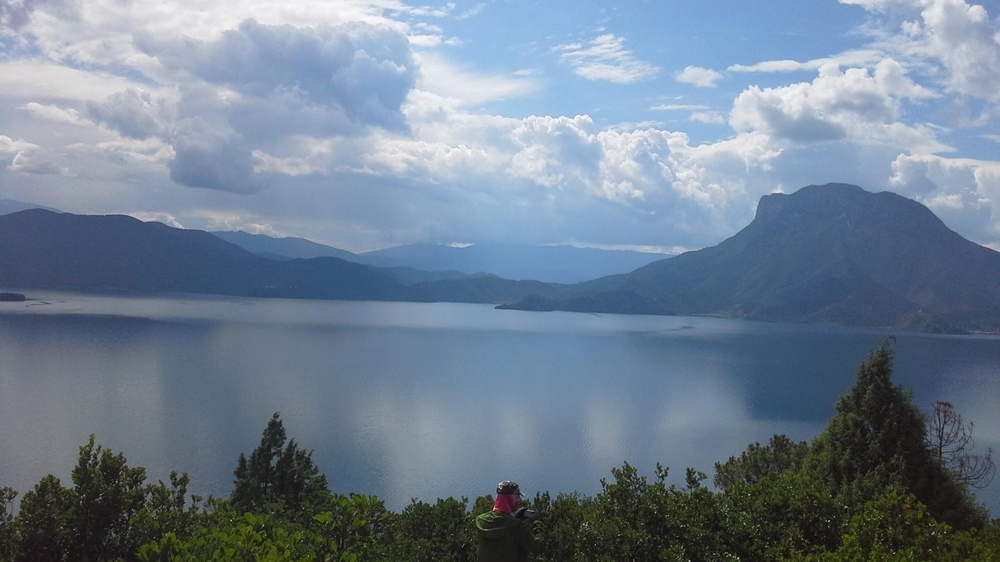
{"type": "Point", "coordinates": [552, 264]}
{"type": "Point", "coordinates": [824, 254]}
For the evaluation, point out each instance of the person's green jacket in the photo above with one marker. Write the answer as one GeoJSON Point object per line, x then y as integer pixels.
{"type": "Point", "coordinates": [504, 538]}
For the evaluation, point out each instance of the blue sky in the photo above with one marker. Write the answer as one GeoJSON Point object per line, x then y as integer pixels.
{"type": "Point", "coordinates": [649, 125]}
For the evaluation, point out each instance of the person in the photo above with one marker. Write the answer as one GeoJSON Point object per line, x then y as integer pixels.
{"type": "Point", "coordinates": [505, 534]}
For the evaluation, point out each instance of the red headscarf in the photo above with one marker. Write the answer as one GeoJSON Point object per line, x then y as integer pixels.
{"type": "Point", "coordinates": [507, 503]}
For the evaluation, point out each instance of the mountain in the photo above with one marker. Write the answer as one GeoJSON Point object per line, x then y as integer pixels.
{"type": "Point", "coordinates": [824, 254]}
{"type": "Point", "coordinates": [8, 206]}
{"type": "Point", "coordinates": [552, 264]}
{"type": "Point", "coordinates": [283, 248]}
{"type": "Point", "coordinates": [832, 254]}
{"type": "Point", "coordinates": [287, 248]}
{"type": "Point", "coordinates": [413, 263]}
{"type": "Point", "coordinates": [42, 249]}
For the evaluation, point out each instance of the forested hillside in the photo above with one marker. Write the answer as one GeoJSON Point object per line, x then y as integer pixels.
{"type": "Point", "coordinates": [881, 482]}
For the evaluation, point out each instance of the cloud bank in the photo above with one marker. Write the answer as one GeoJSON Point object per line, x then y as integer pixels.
{"type": "Point", "coordinates": [366, 126]}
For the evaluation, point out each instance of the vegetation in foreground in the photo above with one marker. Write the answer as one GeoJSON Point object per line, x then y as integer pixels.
{"type": "Point", "coordinates": [883, 482]}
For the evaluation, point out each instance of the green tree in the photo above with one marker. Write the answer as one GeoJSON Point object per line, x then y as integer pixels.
{"type": "Point", "coordinates": [108, 493]}
{"type": "Point", "coordinates": [107, 515]}
{"type": "Point", "coordinates": [252, 537]}
{"type": "Point", "coordinates": [634, 519]}
{"type": "Point", "coordinates": [760, 461]}
{"type": "Point", "coordinates": [425, 532]}
{"type": "Point", "coordinates": [45, 522]}
{"type": "Point", "coordinates": [877, 440]}
{"type": "Point", "coordinates": [780, 515]}
{"type": "Point", "coordinates": [561, 526]}
{"type": "Point", "coordinates": [279, 478]}
{"type": "Point", "coordinates": [356, 523]}
{"type": "Point", "coordinates": [896, 527]}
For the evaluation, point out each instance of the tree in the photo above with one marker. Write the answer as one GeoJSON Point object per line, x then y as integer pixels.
{"type": "Point", "coordinates": [108, 493]}
{"type": "Point", "coordinates": [878, 440]}
{"type": "Point", "coordinates": [7, 527]}
{"type": "Point", "coordinates": [107, 515]}
{"type": "Point", "coordinates": [425, 532]}
{"type": "Point", "coordinates": [45, 522]}
{"type": "Point", "coordinates": [279, 478]}
{"type": "Point", "coordinates": [781, 514]}
{"type": "Point", "coordinates": [950, 439]}
{"type": "Point", "coordinates": [760, 461]}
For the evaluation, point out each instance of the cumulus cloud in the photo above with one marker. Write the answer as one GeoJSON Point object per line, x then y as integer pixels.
{"type": "Point", "coordinates": [257, 85]}
{"type": "Point", "coordinates": [606, 58]}
{"type": "Point", "coordinates": [15, 14]}
{"type": "Point", "coordinates": [556, 151]}
{"type": "Point", "coordinates": [37, 162]}
{"type": "Point", "coordinates": [698, 76]}
{"type": "Point", "coordinates": [837, 104]}
{"type": "Point", "coordinates": [961, 191]}
{"type": "Point", "coordinates": [960, 37]}
{"type": "Point", "coordinates": [11, 146]}
{"type": "Point", "coordinates": [367, 121]}
{"type": "Point", "coordinates": [131, 112]}
{"type": "Point", "coordinates": [211, 154]}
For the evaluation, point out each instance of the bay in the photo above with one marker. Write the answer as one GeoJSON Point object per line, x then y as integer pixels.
{"type": "Point", "coordinates": [417, 400]}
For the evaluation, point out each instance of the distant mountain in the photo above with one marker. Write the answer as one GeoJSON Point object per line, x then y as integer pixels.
{"type": "Point", "coordinates": [833, 254]}
{"type": "Point", "coordinates": [415, 262]}
{"type": "Point", "coordinates": [287, 248]}
{"type": "Point", "coordinates": [8, 206]}
{"type": "Point", "coordinates": [553, 264]}
{"type": "Point", "coordinates": [830, 254]}
{"type": "Point", "coordinates": [283, 248]}
{"type": "Point", "coordinates": [42, 249]}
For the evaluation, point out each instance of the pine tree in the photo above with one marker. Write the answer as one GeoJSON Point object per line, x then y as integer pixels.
{"type": "Point", "coordinates": [278, 478]}
{"type": "Point", "coordinates": [877, 441]}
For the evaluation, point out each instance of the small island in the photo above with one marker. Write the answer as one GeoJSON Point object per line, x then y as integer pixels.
{"type": "Point", "coordinates": [12, 297]}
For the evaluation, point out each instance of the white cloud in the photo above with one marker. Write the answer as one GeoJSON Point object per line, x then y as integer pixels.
{"type": "Point", "coordinates": [256, 86]}
{"type": "Point", "coordinates": [854, 57]}
{"type": "Point", "coordinates": [606, 58]}
{"type": "Point", "coordinates": [963, 192]}
{"type": "Point", "coordinates": [40, 79]}
{"type": "Point", "coordinates": [708, 117]}
{"type": "Point", "coordinates": [463, 87]}
{"type": "Point", "coordinates": [678, 107]}
{"type": "Point", "coordinates": [698, 76]}
{"type": "Point", "coordinates": [364, 122]}
{"type": "Point", "coordinates": [556, 152]}
{"type": "Point", "coordinates": [38, 162]}
{"type": "Point", "coordinates": [959, 37]}
{"type": "Point", "coordinates": [11, 146]}
{"type": "Point", "coordinates": [132, 112]}
{"type": "Point", "coordinates": [53, 113]}
{"type": "Point", "coordinates": [853, 104]}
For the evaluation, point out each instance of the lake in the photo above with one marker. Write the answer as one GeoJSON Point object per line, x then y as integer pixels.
{"type": "Point", "coordinates": [414, 400]}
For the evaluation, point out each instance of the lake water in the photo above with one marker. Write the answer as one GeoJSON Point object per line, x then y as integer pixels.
{"type": "Point", "coordinates": [412, 400]}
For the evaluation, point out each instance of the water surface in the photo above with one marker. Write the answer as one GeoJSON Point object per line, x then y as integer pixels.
{"type": "Point", "coordinates": [413, 400]}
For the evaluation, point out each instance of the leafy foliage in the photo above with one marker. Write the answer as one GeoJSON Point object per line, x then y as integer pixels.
{"type": "Point", "coordinates": [107, 515]}
{"type": "Point", "coordinates": [760, 461]}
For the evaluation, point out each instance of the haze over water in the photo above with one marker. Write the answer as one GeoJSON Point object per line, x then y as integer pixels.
{"type": "Point", "coordinates": [410, 400]}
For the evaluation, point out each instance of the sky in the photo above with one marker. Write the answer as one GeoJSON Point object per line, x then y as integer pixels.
{"type": "Point", "coordinates": [651, 125]}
